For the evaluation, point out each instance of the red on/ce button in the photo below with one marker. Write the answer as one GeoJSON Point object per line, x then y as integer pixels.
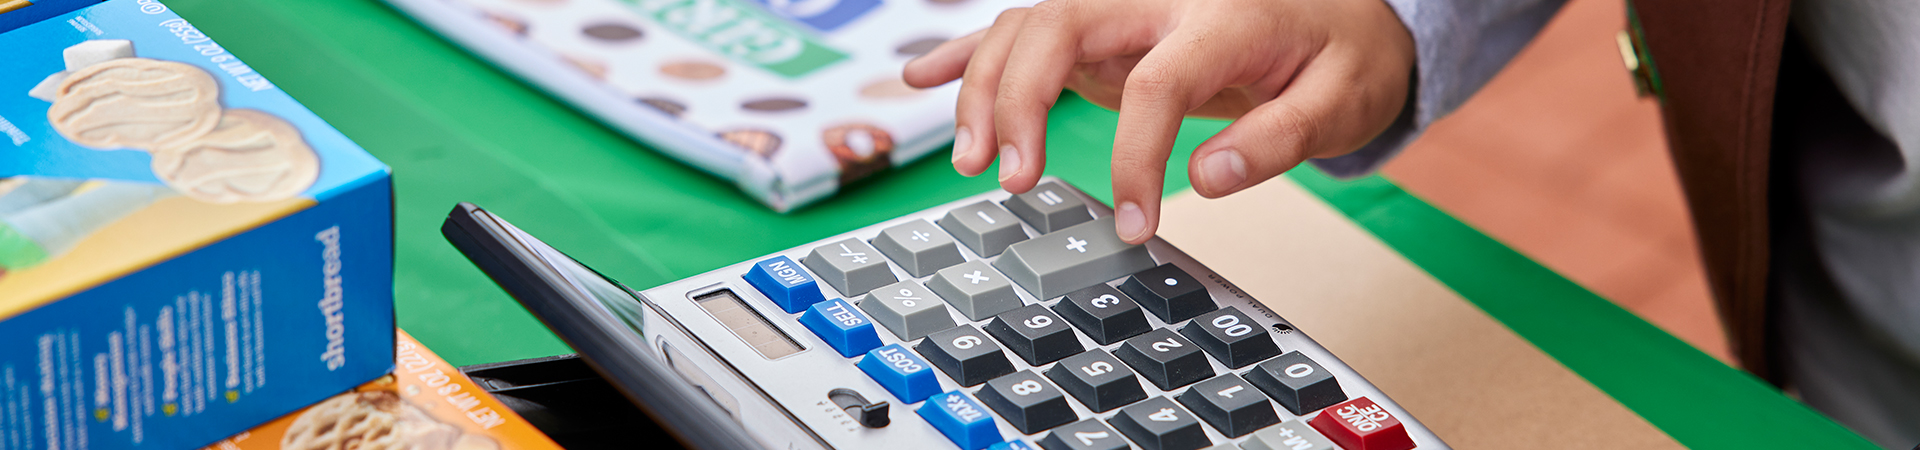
{"type": "Point", "coordinates": [1359, 424]}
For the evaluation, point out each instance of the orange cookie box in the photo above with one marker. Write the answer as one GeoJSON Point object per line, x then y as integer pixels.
{"type": "Point", "coordinates": [426, 404]}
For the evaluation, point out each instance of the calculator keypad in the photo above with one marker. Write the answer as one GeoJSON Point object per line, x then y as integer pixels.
{"type": "Point", "coordinates": [907, 309]}
{"type": "Point", "coordinates": [975, 289]}
{"type": "Point", "coordinates": [1103, 313]}
{"type": "Point", "coordinates": [1028, 401]}
{"type": "Point", "coordinates": [1165, 359]}
{"type": "Point", "coordinates": [1034, 333]}
{"type": "Point", "coordinates": [966, 355]}
{"type": "Point", "coordinates": [851, 266]}
{"type": "Point", "coordinates": [1034, 298]}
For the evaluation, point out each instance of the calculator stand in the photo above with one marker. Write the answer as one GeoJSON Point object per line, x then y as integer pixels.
{"type": "Point", "coordinates": [565, 399]}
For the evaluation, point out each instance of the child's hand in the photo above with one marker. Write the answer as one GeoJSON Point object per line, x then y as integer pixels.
{"type": "Point", "coordinates": [1303, 79]}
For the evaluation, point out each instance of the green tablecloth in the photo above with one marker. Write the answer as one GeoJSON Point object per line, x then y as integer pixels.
{"type": "Point", "coordinates": [454, 129]}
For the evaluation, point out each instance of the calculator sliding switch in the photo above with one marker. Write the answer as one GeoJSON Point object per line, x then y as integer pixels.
{"type": "Point", "coordinates": [1298, 383]}
{"type": "Point", "coordinates": [983, 227]}
{"type": "Point", "coordinates": [841, 326]}
{"type": "Point", "coordinates": [1231, 405]}
{"type": "Point", "coordinates": [867, 414]}
{"type": "Point", "coordinates": [1034, 333]}
{"type": "Point", "coordinates": [966, 355]}
{"type": "Point", "coordinates": [1169, 292]}
{"type": "Point", "coordinates": [1049, 207]}
{"type": "Point", "coordinates": [907, 309]}
{"type": "Point", "coordinates": [1359, 424]}
{"type": "Point", "coordinates": [1098, 379]}
{"type": "Point", "coordinates": [1028, 402]}
{"type": "Point", "coordinates": [1165, 359]}
{"type": "Point", "coordinates": [1071, 259]}
{"type": "Point", "coordinates": [1087, 434]}
{"type": "Point", "coordinates": [974, 288]}
{"type": "Point", "coordinates": [906, 376]}
{"type": "Point", "coordinates": [1159, 424]}
{"type": "Point", "coordinates": [1292, 435]}
{"type": "Point", "coordinates": [782, 281]}
{"type": "Point", "coordinates": [1231, 337]}
{"type": "Point", "coordinates": [918, 247]}
{"type": "Point", "coordinates": [850, 266]}
{"type": "Point", "coordinates": [1104, 314]}
{"type": "Point", "coordinates": [962, 420]}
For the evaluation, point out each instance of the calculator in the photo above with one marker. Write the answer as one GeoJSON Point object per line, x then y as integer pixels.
{"type": "Point", "coordinates": [997, 321]}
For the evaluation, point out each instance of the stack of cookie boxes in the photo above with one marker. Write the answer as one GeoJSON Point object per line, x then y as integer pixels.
{"type": "Point", "coordinates": [185, 251]}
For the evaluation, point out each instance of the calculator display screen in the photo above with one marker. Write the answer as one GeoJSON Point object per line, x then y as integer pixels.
{"type": "Point", "coordinates": [747, 324]}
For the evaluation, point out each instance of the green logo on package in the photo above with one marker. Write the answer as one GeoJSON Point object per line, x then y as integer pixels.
{"type": "Point", "coordinates": [742, 32]}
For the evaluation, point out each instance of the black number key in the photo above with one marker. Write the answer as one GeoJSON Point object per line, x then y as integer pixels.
{"type": "Point", "coordinates": [1169, 293]}
{"type": "Point", "coordinates": [1035, 334]}
{"type": "Point", "coordinates": [1105, 314]}
{"type": "Point", "coordinates": [1231, 337]}
{"type": "Point", "coordinates": [1158, 424]}
{"type": "Point", "coordinates": [1027, 401]}
{"type": "Point", "coordinates": [1087, 434]}
{"type": "Point", "coordinates": [1165, 358]}
{"type": "Point", "coordinates": [1098, 379]}
{"type": "Point", "coordinates": [1231, 405]}
{"type": "Point", "coordinates": [965, 354]}
{"type": "Point", "coordinates": [1297, 383]}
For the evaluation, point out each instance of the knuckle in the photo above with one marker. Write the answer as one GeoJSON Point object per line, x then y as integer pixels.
{"type": "Point", "coordinates": [1054, 14]}
{"type": "Point", "coordinates": [1010, 17]}
{"type": "Point", "coordinates": [1152, 81]}
{"type": "Point", "coordinates": [1294, 131]}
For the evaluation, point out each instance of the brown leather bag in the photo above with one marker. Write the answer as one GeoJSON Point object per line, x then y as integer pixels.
{"type": "Point", "coordinates": [1713, 64]}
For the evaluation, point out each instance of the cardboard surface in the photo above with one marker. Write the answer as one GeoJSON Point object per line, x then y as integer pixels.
{"type": "Point", "coordinates": [1470, 379]}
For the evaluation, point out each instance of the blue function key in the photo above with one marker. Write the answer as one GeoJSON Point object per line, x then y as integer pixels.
{"type": "Point", "coordinates": [904, 374]}
{"type": "Point", "coordinates": [1013, 445]}
{"type": "Point", "coordinates": [783, 282]}
{"type": "Point", "coordinates": [961, 419]}
{"type": "Point", "coordinates": [842, 326]}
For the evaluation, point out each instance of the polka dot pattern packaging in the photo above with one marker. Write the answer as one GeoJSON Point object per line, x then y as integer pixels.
{"type": "Point", "coordinates": [791, 99]}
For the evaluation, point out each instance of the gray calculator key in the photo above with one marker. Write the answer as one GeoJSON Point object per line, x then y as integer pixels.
{"type": "Point", "coordinates": [1049, 207]}
{"type": "Point", "coordinates": [1073, 258]}
{"type": "Point", "coordinates": [1159, 424]}
{"type": "Point", "coordinates": [907, 309]}
{"type": "Point", "coordinates": [1098, 379]}
{"type": "Point", "coordinates": [966, 355]}
{"type": "Point", "coordinates": [918, 247]}
{"type": "Point", "coordinates": [1291, 435]}
{"type": "Point", "coordinates": [1028, 402]}
{"type": "Point", "coordinates": [849, 266]}
{"type": "Point", "coordinates": [1231, 405]}
{"type": "Point", "coordinates": [983, 227]}
{"type": "Point", "coordinates": [975, 289]}
{"type": "Point", "coordinates": [1087, 434]}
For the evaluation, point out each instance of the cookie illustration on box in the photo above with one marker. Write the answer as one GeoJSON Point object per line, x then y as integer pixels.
{"type": "Point", "coordinates": [108, 98]}
{"type": "Point", "coordinates": [251, 156]}
{"type": "Point", "coordinates": [376, 420]}
{"type": "Point", "coordinates": [42, 218]}
{"type": "Point", "coordinates": [135, 103]}
{"type": "Point", "coordinates": [761, 143]}
{"type": "Point", "coordinates": [861, 150]}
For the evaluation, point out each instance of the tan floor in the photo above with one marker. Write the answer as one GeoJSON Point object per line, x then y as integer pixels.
{"type": "Point", "coordinates": [1558, 158]}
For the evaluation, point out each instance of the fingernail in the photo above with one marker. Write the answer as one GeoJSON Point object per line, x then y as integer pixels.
{"type": "Point", "coordinates": [1223, 171]}
{"type": "Point", "coordinates": [1129, 221]}
{"type": "Point", "coordinates": [962, 142]}
{"type": "Point", "coordinates": [1009, 161]}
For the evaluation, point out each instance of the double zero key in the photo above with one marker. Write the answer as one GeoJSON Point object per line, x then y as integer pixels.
{"type": "Point", "coordinates": [1231, 337]}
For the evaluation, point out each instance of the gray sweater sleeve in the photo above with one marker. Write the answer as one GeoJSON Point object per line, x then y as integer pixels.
{"type": "Point", "coordinates": [1459, 45]}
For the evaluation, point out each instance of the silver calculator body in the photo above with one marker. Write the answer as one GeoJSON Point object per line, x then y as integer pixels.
{"type": "Point", "coordinates": [722, 361]}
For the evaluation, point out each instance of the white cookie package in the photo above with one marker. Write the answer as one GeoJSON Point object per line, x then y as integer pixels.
{"type": "Point", "coordinates": [185, 251]}
{"type": "Point", "coordinates": [789, 99]}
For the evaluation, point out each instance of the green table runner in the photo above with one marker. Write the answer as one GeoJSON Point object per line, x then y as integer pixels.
{"type": "Point", "coordinates": [454, 129]}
